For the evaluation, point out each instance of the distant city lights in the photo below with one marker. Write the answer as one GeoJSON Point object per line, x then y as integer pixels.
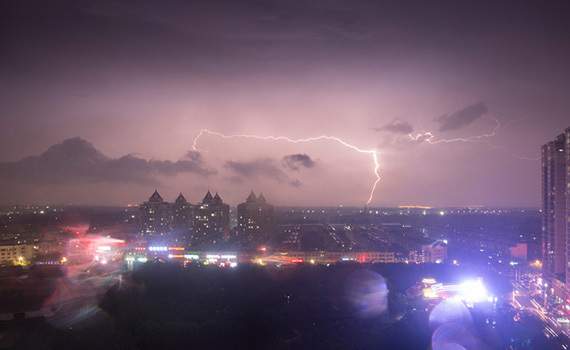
{"type": "Point", "coordinates": [158, 249]}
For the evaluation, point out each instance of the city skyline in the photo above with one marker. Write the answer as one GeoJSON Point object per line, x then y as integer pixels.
{"type": "Point", "coordinates": [105, 102]}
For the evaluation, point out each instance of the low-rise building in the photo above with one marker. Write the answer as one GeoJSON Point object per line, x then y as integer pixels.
{"type": "Point", "coordinates": [19, 253]}
{"type": "Point", "coordinates": [435, 253]}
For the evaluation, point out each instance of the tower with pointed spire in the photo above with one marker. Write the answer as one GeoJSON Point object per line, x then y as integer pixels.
{"type": "Point", "coordinates": [255, 220]}
{"type": "Point", "coordinates": [154, 217]}
{"type": "Point", "coordinates": [211, 221]}
{"type": "Point", "coordinates": [182, 219]}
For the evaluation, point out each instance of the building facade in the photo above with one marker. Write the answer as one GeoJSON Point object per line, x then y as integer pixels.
{"type": "Point", "coordinates": [16, 254]}
{"type": "Point", "coordinates": [567, 149]}
{"type": "Point", "coordinates": [554, 172]}
{"type": "Point", "coordinates": [182, 220]}
{"type": "Point", "coordinates": [255, 220]}
{"type": "Point", "coordinates": [211, 221]}
{"type": "Point", "coordinates": [155, 218]}
{"type": "Point", "coordinates": [323, 257]}
{"type": "Point", "coordinates": [435, 253]}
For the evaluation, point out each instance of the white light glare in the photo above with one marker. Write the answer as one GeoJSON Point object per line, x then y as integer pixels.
{"type": "Point", "coordinates": [473, 291]}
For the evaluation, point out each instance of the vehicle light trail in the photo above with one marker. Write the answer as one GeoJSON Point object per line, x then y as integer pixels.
{"type": "Point", "coordinates": [309, 139]}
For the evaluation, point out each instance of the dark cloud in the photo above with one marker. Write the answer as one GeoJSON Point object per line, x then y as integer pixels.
{"type": "Point", "coordinates": [462, 117]}
{"type": "Point", "coordinates": [296, 161]}
{"type": "Point", "coordinates": [260, 169]}
{"type": "Point", "coordinates": [397, 127]}
{"type": "Point", "coordinates": [76, 161]}
{"type": "Point", "coordinates": [193, 155]}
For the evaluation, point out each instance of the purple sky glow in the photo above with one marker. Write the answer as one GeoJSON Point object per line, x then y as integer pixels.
{"type": "Point", "coordinates": [102, 101]}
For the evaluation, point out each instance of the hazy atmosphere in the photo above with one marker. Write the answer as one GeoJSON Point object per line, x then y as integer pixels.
{"type": "Point", "coordinates": [102, 102]}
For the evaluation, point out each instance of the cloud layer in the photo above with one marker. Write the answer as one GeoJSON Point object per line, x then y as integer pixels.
{"type": "Point", "coordinates": [461, 118]}
{"type": "Point", "coordinates": [397, 127]}
{"type": "Point", "coordinates": [77, 161]}
{"type": "Point", "coordinates": [297, 161]}
{"type": "Point", "coordinates": [261, 169]}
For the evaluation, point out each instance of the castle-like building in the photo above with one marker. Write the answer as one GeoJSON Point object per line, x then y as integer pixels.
{"type": "Point", "coordinates": [211, 221]}
{"type": "Point", "coordinates": [255, 220]}
{"type": "Point", "coordinates": [154, 217]}
{"type": "Point", "coordinates": [182, 223]}
{"type": "Point", "coordinates": [182, 218]}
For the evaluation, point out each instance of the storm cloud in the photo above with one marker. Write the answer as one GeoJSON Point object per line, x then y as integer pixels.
{"type": "Point", "coordinates": [397, 127]}
{"type": "Point", "coordinates": [149, 78]}
{"type": "Point", "coordinates": [462, 117]}
{"type": "Point", "coordinates": [296, 161]}
{"type": "Point", "coordinates": [76, 160]}
{"type": "Point", "coordinates": [261, 169]}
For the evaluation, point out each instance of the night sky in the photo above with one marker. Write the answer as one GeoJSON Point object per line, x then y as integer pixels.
{"type": "Point", "coordinates": [101, 102]}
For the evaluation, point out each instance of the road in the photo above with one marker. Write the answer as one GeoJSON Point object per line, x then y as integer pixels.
{"type": "Point", "coordinates": [524, 301]}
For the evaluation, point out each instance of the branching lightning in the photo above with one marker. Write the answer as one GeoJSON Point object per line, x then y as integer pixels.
{"type": "Point", "coordinates": [429, 138]}
{"type": "Point", "coordinates": [420, 137]}
{"type": "Point", "coordinates": [309, 139]}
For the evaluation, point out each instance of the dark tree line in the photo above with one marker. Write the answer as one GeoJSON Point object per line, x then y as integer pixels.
{"type": "Point", "coordinates": [167, 306]}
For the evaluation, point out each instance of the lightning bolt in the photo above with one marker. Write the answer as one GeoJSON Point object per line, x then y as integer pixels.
{"type": "Point", "coordinates": [309, 139]}
{"type": "Point", "coordinates": [429, 138]}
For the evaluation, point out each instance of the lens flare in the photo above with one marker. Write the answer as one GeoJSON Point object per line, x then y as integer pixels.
{"type": "Point", "coordinates": [450, 310]}
{"type": "Point", "coordinates": [368, 293]}
{"type": "Point", "coordinates": [93, 264]}
{"type": "Point", "coordinates": [452, 327]}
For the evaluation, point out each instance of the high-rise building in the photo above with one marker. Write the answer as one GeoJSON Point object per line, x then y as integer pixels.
{"type": "Point", "coordinates": [182, 219]}
{"type": "Point", "coordinates": [211, 221]}
{"type": "Point", "coordinates": [154, 217]}
{"type": "Point", "coordinates": [255, 220]}
{"type": "Point", "coordinates": [554, 213]}
{"type": "Point", "coordinates": [567, 137]}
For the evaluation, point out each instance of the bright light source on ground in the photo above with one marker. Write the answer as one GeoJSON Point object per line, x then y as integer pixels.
{"type": "Point", "coordinates": [473, 291]}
